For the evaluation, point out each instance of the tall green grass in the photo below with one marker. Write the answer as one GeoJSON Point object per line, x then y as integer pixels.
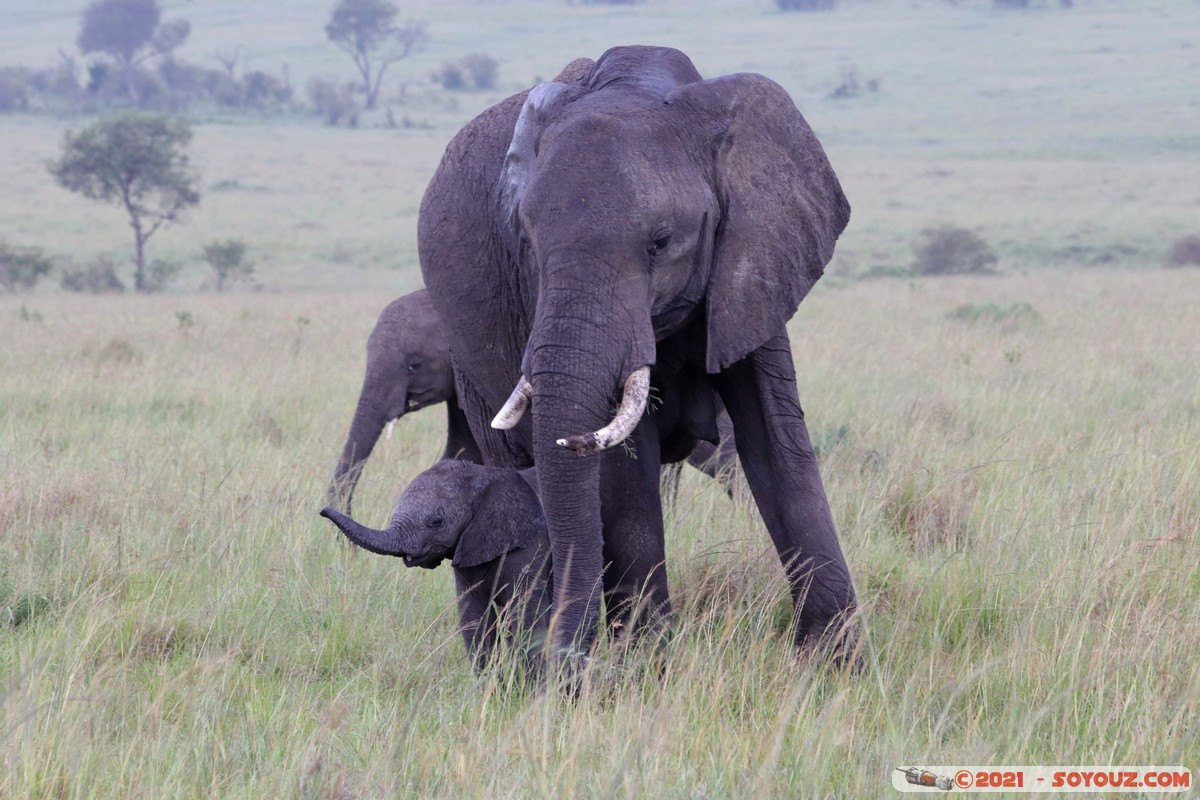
{"type": "Point", "coordinates": [1022, 531]}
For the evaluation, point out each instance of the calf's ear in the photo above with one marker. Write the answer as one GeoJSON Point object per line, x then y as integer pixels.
{"type": "Point", "coordinates": [502, 523]}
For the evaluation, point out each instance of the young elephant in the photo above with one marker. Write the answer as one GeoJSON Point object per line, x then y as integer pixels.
{"type": "Point", "coordinates": [408, 368]}
{"type": "Point", "coordinates": [489, 523]}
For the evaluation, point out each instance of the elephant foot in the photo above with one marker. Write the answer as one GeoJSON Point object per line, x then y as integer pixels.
{"type": "Point", "coordinates": [840, 645]}
{"type": "Point", "coordinates": [567, 670]}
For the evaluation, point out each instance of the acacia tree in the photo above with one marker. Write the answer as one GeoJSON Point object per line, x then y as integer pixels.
{"type": "Point", "coordinates": [367, 30]}
{"type": "Point", "coordinates": [129, 31]}
{"type": "Point", "coordinates": [228, 261]}
{"type": "Point", "coordinates": [137, 161]}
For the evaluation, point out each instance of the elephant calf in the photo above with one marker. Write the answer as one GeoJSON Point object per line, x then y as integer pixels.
{"type": "Point", "coordinates": [488, 521]}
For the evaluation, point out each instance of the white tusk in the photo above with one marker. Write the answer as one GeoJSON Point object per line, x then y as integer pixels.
{"type": "Point", "coordinates": [514, 408]}
{"type": "Point", "coordinates": [390, 425]}
{"type": "Point", "coordinates": [633, 405]}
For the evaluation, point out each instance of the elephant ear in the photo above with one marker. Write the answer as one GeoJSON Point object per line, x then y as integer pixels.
{"type": "Point", "coordinates": [540, 104]}
{"type": "Point", "coordinates": [782, 210]}
{"type": "Point", "coordinates": [507, 518]}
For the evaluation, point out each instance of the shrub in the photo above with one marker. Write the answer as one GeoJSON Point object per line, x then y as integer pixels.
{"type": "Point", "coordinates": [58, 82]}
{"type": "Point", "coordinates": [482, 68]}
{"type": "Point", "coordinates": [334, 103]}
{"type": "Point", "coordinates": [14, 89]}
{"type": "Point", "coordinates": [805, 5]}
{"type": "Point", "coordinates": [451, 77]}
{"type": "Point", "coordinates": [161, 272]}
{"type": "Point", "coordinates": [99, 277]}
{"type": "Point", "coordinates": [950, 250]}
{"type": "Point", "coordinates": [1185, 252]}
{"type": "Point", "coordinates": [263, 91]}
{"type": "Point", "coordinates": [21, 267]}
{"type": "Point", "coordinates": [477, 70]}
{"type": "Point", "coordinates": [993, 312]}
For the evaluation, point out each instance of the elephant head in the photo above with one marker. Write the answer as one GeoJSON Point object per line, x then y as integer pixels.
{"type": "Point", "coordinates": [639, 203]}
{"type": "Point", "coordinates": [468, 513]}
{"type": "Point", "coordinates": [408, 368]}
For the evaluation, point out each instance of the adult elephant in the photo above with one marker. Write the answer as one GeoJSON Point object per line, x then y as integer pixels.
{"type": "Point", "coordinates": [408, 368]}
{"type": "Point", "coordinates": [627, 226]}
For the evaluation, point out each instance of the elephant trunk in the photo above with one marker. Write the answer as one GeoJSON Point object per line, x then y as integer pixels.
{"type": "Point", "coordinates": [388, 542]}
{"type": "Point", "coordinates": [370, 417]}
{"type": "Point", "coordinates": [578, 365]}
{"type": "Point", "coordinates": [633, 404]}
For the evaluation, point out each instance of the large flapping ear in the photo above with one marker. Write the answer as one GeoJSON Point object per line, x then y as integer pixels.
{"type": "Point", "coordinates": [539, 105]}
{"type": "Point", "coordinates": [508, 517]}
{"type": "Point", "coordinates": [782, 210]}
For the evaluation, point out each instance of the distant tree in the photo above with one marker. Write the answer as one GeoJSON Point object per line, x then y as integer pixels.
{"type": "Point", "coordinates": [228, 57]}
{"type": "Point", "coordinates": [228, 261]}
{"type": "Point", "coordinates": [135, 160]}
{"type": "Point", "coordinates": [128, 31]}
{"type": "Point", "coordinates": [21, 267]}
{"type": "Point", "coordinates": [367, 30]}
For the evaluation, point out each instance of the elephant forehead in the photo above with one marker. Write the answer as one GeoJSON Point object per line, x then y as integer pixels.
{"type": "Point", "coordinates": [623, 166]}
{"type": "Point", "coordinates": [625, 139]}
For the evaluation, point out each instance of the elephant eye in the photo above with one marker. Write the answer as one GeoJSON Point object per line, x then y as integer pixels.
{"type": "Point", "coordinates": [661, 239]}
{"type": "Point", "coordinates": [436, 522]}
{"type": "Point", "coordinates": [413, 367]}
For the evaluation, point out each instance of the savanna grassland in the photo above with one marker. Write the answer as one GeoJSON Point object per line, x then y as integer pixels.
{"type": "Point", "coordinates": [1013, 460]}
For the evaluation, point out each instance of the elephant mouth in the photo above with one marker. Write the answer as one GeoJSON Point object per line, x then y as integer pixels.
{"type": "Point", "coordinates": [423, 560]}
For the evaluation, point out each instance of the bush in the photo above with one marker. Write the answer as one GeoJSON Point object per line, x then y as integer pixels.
{"type": "Point", "coordinates": [99, 277]}
{"type": "Point", "coordinates": [21, 267]}
{"type": "Point", "coordinates": [14, 89]}
{"type": "Point", "coordinates": [950, 250]}
{"type": "Point", "coordinates": [160, 273]}
{"type": "Point", "coordinates": [482, 68]}
{"type": "Point", "coordinates": [58, 82]}
{"type": "Point", "coordinates": [991, 311]}
{"type": "Point", "coordinates": [263, 91]}
{"type": "Point", "coordinates": [451, 77]}
{"type": "Point", "coordinates": [334, 103]}
{"type": "Point", "coordinates": [1185, 252]}
{"type": "Point", "coordinates": [805, 5]}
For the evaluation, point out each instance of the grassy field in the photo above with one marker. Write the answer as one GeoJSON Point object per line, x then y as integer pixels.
{"type": "Point", "coordinates": [1012, 461]}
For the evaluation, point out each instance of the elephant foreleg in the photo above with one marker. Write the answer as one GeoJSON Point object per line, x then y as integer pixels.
{"type": "Point", "coordinates": [777, 457]}
{"type": "Point", "coordinates": [635, 577]}
{"type": "Point", "coordinates": [476, 620]}
{"type": "Point", "coordinates": [460, 443]}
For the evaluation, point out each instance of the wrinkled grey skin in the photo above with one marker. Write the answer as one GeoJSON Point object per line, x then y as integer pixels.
{"type": "Point", "coordinates": [633, 214]}
{"type": "Point", "coordinates": [489, 522]}
{"type": "Point", "coordinates": [408, 368]}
